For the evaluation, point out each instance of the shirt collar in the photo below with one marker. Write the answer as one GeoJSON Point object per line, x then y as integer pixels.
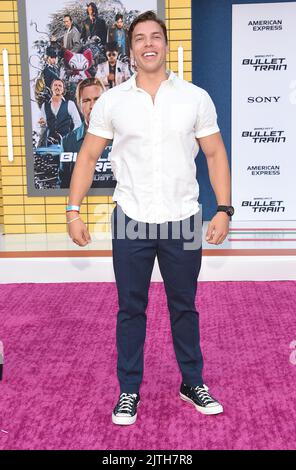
{"type": "Point", "coordinates": [63, 99]}
{"type": "Point", "coordinates": [131, 82]}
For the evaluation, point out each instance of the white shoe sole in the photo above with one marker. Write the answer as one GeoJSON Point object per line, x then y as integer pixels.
{"type": "Point", "coordinates": [124, 420]}
{"type": "Point", "coordinates": [214, 410]}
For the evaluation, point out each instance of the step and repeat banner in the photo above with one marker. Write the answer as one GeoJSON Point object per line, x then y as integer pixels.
{"type": "Point", "coordinates": [264, 111]}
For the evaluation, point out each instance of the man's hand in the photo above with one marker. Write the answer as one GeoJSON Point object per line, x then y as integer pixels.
{"type": "Point", "coordinates": [78, 231]}
{"type": "Point", "coordinates": [218, 229]}
{"type": "Point", "coordinates": [42, 122]}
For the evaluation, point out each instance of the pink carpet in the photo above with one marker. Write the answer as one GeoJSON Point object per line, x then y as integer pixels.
{"type": "Point", "coordinates": [59, 385]}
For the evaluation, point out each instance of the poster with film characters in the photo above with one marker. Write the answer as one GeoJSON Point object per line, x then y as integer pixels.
{"type": "Point", "coordinates": [72, 51]}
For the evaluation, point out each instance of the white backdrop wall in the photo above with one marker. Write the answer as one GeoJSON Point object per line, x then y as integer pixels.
{"type": "Point", "coordinates": [264, 111]}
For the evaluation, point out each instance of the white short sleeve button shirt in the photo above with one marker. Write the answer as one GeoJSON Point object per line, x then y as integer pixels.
{"type": "Point", "coordinates": [154, 146]}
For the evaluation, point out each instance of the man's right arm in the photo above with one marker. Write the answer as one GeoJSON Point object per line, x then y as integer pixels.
{"type": "Point", "coordinates": [82, 177]}
{"type": "Point", "coordinates": [42, 116]}
{"type": "Point", "coordinates": [103, 31]}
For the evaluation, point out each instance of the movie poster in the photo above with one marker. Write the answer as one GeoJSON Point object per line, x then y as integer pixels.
{"type": "Point", "coordinates": [72, 52]}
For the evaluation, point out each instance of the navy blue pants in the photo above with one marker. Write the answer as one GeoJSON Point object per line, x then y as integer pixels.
{"type": "Point", "coordinates": [133, 261]}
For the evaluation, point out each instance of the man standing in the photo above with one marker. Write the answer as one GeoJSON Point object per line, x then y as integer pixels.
{"type": "Point", "coordinates": [113, 71]}
{"type": "Point", "coordinates": [157, 122]}
{"type": "Point", "coordinates": [51, 69]}
{"type": "Point", "coordinates": [94, 25]}
{"type": "Point", "coordinates": [71, 40]}
{"type": "Point", "coordinates": [119, 35]}
{"type": "Point", "coordinates": [60, 116]}
{"type": "Point", "coordinates": [87, 93]}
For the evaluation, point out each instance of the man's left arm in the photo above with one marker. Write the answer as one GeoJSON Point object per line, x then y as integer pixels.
{"type": "Point", "coordinates": [103, 31]}
{"type": "Point", "coordinates": [76, 44]}
{"type": "Point", "coordinates": [219, 173]}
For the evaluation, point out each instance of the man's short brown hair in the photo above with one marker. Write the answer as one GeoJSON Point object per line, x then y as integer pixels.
{"type": "Point", "coordinates": [147, 16]}
{"type": "Point", "coordinates": [92, 81]}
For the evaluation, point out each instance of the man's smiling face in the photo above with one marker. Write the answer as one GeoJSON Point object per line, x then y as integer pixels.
{"type": "Point", "coordinates": [149, 46]}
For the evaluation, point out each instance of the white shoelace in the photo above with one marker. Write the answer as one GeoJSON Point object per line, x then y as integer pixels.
{"type": "Point", "coordinates": [204, 395]}
{"type": "Point", "coordinates": [126, 402]}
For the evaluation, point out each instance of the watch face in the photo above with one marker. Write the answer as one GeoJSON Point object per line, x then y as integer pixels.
{"type": "Point", "coordinates": [230, 210]}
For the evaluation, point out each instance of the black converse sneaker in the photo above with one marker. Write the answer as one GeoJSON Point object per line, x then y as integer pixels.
{"type": "Point", "coordinates": [201, 399]}
{"type": "Point", "coordinates": [125, 412]}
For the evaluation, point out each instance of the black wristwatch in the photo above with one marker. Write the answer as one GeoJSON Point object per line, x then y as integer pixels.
{"type": "Point", "coordinates": [228, 209]}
